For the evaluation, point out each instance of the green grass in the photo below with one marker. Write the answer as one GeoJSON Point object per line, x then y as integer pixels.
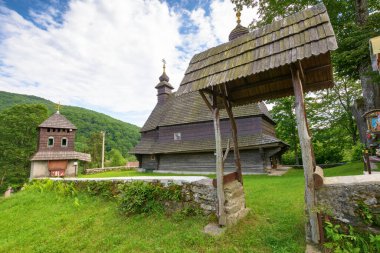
{"type": "Point", "coordinates": [132, 173]}
{"type": "Point", "coordinates": [45, 222]}
{"type": "Point", "coordinates": [354, 168]}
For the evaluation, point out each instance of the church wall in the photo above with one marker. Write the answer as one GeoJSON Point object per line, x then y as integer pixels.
{"type": "Point", "coordinates": [44, 135]}
{"type": "Point", "coordinates": [251, 160]}
{"type": "Point", "coordinates": [148, 163]}
{"type": "Point", "coordinates": [39, 169]}
{"type": "Point", "coordinates": [205, 130]}
{"type": "Point", "coordinates": [268, 128]}
{"type": "Point", "coordinates": [70, 170]}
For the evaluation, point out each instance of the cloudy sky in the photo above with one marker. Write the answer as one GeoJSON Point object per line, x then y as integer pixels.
{"type": "Point", "coordinates": [105, 55]}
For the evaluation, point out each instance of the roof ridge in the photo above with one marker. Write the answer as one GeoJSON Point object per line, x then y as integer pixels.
{"type": "Point", "coordinates": [57, 120]}
{"type": "Point", "coordinates": [261, 31]}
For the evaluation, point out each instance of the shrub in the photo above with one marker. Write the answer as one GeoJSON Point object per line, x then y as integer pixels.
{"type": "Point", "coordinates": [141, 197]}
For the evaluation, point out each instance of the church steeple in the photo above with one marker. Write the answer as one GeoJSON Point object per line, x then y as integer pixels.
{"type": "Point", "coordinates": [164, 88]}
{"type": "Point", "coordinates": [239, 30]}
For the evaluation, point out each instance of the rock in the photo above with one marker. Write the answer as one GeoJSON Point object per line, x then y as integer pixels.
{"type": "Point", "coordinates": [8, 192]}
{"type": "Point", "coordinates": [214, 229]}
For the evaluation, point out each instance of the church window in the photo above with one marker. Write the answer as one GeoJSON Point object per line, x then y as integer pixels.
{"type": "Point", "coordinates": [51, 142]}
{"type": "Point", "coordinates": [177, 136]}
{"type": "Point", "coordinates": [64, 142]}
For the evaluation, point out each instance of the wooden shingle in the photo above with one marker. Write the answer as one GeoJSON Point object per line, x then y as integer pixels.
{"type": "Point", "coordinates": [306, 36]}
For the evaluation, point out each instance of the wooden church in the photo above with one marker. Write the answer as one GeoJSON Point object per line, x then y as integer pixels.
{"type": "Point", "coordinates": [179, 135]}
{"type": "Point", "coordinates": [55, 156]}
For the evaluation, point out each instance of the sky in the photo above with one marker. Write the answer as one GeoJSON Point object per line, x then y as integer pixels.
{"type": "Point", "coordinates": [106, 55]}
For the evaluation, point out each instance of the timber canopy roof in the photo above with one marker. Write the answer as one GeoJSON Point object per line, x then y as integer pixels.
{"type": "Point", "coordinates": [256, 65]}
{"type": "Point", "coordinates": [57, 120]}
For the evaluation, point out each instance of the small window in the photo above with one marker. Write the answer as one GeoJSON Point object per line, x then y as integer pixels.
{"type": "Point", "coordinates": [64, 142]}
{"type": "Point", "coordinates": [48, 129]}
{"type": "Point", "coordinates": [53, 129]}
{"type": "Point", "coordinates": [152, 157]}
{"type": "Point", "coordinates": [51, 142]}
{"type": "Point", "coordinates": [177, 136]}
{"type": "Point", "coordinates": [59, 130]}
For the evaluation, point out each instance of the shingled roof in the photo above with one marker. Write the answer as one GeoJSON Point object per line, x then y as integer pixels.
{"type": "Point", "coordinates": [261, 59]}
{"type": "Point", "coordinates": [61, 155]}
{"type": "Point", "coordinates": [190, 108]}
{"type": "Point", "coordinates": [150, 146]}
{"type": "Point", "coordinates": [57, 120]}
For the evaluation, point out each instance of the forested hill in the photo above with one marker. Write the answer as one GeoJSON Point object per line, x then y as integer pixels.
{"type": "Point", "coordinates": [119, 135]}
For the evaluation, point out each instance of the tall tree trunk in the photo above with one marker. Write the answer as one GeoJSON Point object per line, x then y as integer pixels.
{"type": "Point", "coordinates": [358, 109]}
{"type": "Point", "coordinates": [371, 91]}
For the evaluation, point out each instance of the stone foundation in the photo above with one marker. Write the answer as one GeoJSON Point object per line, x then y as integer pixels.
{"type": "Point", "coordinates": [235, 202]}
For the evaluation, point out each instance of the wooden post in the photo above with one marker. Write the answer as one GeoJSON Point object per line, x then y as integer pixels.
{"type": "Point", "coordinates": [308, 160]}
{"type": "Point", "coordinates": [219, 159]}
{"type": "Point", "coordinates": [228, 107]}
{"type": "Point", "coordinates": [104, 136]}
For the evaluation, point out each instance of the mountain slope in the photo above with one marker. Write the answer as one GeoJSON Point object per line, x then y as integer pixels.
{"type": "Point", "coordinates": [119, 135]}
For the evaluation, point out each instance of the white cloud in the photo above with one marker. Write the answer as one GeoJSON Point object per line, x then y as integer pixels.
{"type": "Point", "coordinates": [106, 55]}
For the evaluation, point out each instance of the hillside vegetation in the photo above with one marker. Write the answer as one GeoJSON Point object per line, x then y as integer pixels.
{"type": "Point", "coordinates": [20, 116]}
{"type": "Point", "coordinates": [120, 135]}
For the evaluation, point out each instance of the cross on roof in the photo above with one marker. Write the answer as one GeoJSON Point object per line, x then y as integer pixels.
{"type": "Point", "coordinates": [58, 106]}
{"type": "Point", "coordinates": [164, 62]}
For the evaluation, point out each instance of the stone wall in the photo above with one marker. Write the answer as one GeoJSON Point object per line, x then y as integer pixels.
{"type": "Point", "coordinates": [197, 191]}
{"type": "Point", "coordinates": [351, 198]}
{"type": "Point", "coordinates": [99, 170]}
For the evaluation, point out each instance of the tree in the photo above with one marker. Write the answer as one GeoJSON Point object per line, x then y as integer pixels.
{"type": "Point", "coordinates": [18, 142]}
{"type": "Point", "coordinates": [354, 23]}
{"type": "Point", "coordinates": [94, 145]}
{"type": "Point", "coordinates": [116, 158]}
{"type": "Point", "coordinates": [286, 128]}
{"type": "Point", "coordinates": [332, 109]}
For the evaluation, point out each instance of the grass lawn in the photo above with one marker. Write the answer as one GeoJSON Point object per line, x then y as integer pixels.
{"type": "Point", "coordinates": [45, 222]}
{"type": "Point", "coordinates": [132, 173]}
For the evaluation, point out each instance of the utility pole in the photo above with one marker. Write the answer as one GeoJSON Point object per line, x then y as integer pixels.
{"type": "Point", "coordinates": [104, 136]}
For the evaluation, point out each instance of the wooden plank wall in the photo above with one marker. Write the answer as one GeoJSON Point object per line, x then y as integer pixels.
{"type": "Point", "coordinates": [205, 162]}
{"type": "Point", "coordinates": [205, 130]}
{"type": "Point", "coordinates": [268, 128]}
{"type": "Point", "coordinates": [148, 163]}
{"type": "Point", "coordinates": [44, 135]}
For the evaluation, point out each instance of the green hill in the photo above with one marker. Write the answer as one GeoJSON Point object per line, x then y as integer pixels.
{"type": "Point", "coordinates": [119, 135]}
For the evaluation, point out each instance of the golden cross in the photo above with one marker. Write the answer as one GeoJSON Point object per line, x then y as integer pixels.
{"type": "Point", "coordinates": [238, 14]}
{"type": "Point", "coordinates": [58, 106]}
{"type": "Point", "coordinates": [164, 62]}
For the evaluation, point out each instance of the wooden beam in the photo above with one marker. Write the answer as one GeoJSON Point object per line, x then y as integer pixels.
{"type": "Point", "coordinates": [234, 133]}
{"type": "Point", "coordinates": [312, 226]}
{"type": "Point", "coordinates": [318, 177]}
{"type": "Point", "coordinates": [227, 151]}
{"type": "Point", "coordinates": [206, 100]}
{"type": "Point", "coordinates": [302, 74]}
{"type": "Point", "coordinates": [226, 179]}
{"type": "Point", "coordinates": [285, 77]}
{"type": "Point", "coordinates": [219, 164]}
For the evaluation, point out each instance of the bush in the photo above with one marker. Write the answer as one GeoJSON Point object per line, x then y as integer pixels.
{"type": "Point", "coordinates": [134, 197]}
{"type": "Point", "coordinates": [141, 197]}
